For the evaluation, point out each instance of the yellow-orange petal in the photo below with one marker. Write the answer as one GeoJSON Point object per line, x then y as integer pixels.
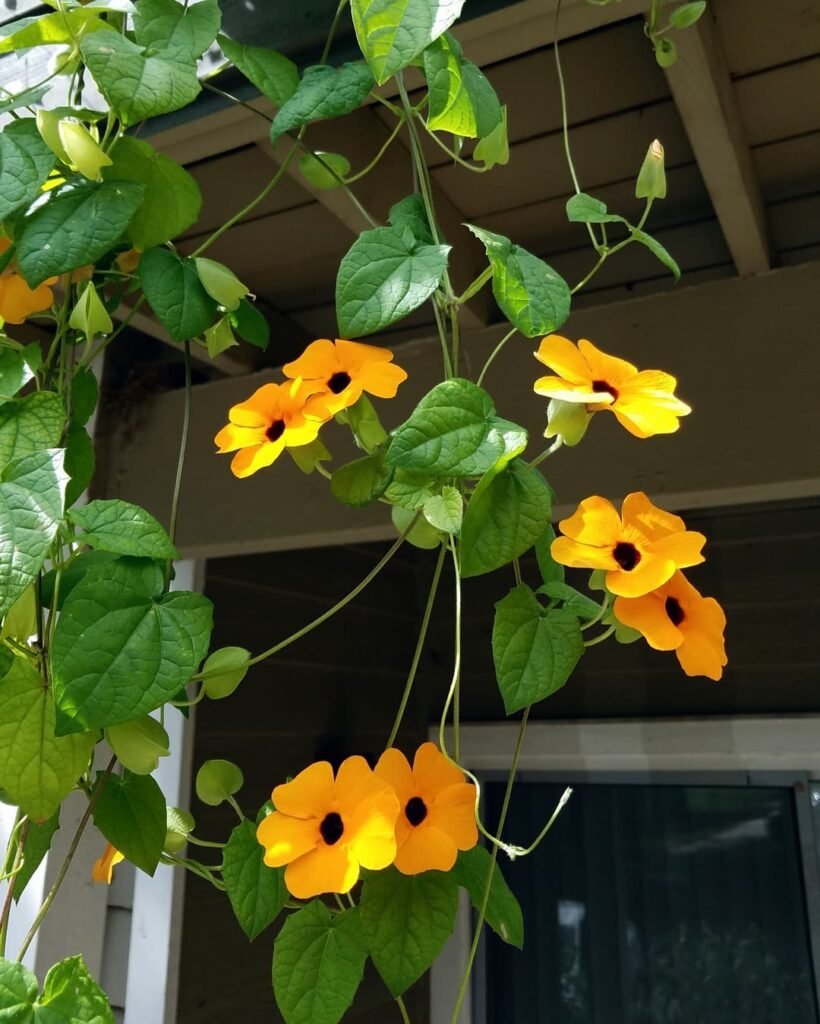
{"type": "Point", "coordinates": [381, 379]}
{"type": "Point", "coordinates": [649, 574]}
{"type": "Point", "coordinates": [373, 829]}
{"type": "Point", "coordinates": [319, 360]}
{"type": "Point", "coordinates": [564, 358]}
{"type": "Point", "coordinates": [309, 794]}
{"type": "Point", "coordinates": [285, 838]}
{"type": "Point", "coordinates": [684, 549]}
{"type": "Point", "coordinates": [433, 772]}
{"type": "Point", "coordinates": [231, 438]}
{"type": "Point", "coordinates": [595, 522]}
{"type": "Point", "coordinates": [248, 461]}
{"type": "Point", "coordinates": [650, 520]}
{"type": "Point", "coordinates": [427, 848]}
{"type": "Point", "coordinates": [325, 869]}
{"type": "Point", "coordinates": [454, 813]}
{"type": "Point", "coordinates": [18, 301]}
{"type": "Point", "coordinates": [394, 768]}
{"type": "Point", "coordinates": [582, 556]}
{"type": "Point", "coordinates": [644, 417]}
{"type": "Point", "coordinates": [604, 366]}
{"type": "Point", "coordinates": [703, 653]}
{"type": "Point", "coordinates": [648, 615]}
{"type": "Point", "coordinates": [102, 870]}
{"type": "Point", "coordinates": [565, 391]}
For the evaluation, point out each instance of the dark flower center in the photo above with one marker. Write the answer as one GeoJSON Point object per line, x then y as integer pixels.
{"type": "Point", "coordinates": [626, 555]}
{"type": "Point", "coordinates": [338, 382]}
{"type": "Point", "coordinates": [332, 828]}
{"type": "Point", "coordinates": [602, 387]}
{"type": "Point", "coordinates": [275, 430]}
{"type": "Point", "coordinates": [416, 810]}
{"type": "Point", "coordinates": [674, 611]}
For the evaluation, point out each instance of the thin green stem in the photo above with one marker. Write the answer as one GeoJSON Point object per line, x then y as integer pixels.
{"type": "Point", "coordinates": [69, 857]}
{"type": "Point", "coordinates": [183, 449]}
{"type": "Point", "coordinates": [337, 18]}
{"type": "Point", "coordinates": [475, 168]}
{"type": "Point", "coordinates": [387, 144]}
{"type": "Point", "coordinates": [205, 842]}
{"type": "Point", "coordinates": [454, 681]}
{"type": "Point", "coordinates": [12, 883]}
{"type": "Point", "coordinates": [354, 593]}
{"type": "Point", "coordinates": [405, 1016]}
{"type": "Point", "coordinates": [476, 286]}
{"type": "Point", "coordinates": [232, 801]}
{"type": "Point", "coordinates": [553, 448]}
{"type": "Point", "coordinates": [494, 353]}
{"type": "Point", "coordinates": [425, 623]}
{"type": "Point", "coordinates": [517, 572]}
{"type": "Point", "coordinates": [442, 334]}
{"type": "Point", "coordinates": [454, 334]}
{"type": "Point", "coordinates": [343, 185]}
{"type": "Point", "coordinates": [601, 636]}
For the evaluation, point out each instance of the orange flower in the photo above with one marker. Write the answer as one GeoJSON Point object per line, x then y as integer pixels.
{"type": "Point", "coordinates": [103, 869]}
{"type": "Point", "coordinates": [17, 300]}
{"type": "Point", "coordinates": [326, 829]}
{"type": "Point", "coordinates": [640, 549]}
{"type": "Point", "coordinates": [642, 401]}
{"type": "Point", "coordinates": [437, 817]}
{"type": "Point", "coordinates": [675, 617]}
{"type": "Point", "coordinates": [272, 419]}
{"type": "Point", "coordinates": [343, 370]}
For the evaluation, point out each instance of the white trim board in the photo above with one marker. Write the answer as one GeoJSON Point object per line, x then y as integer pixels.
{"type": "Point", "coordinates": [788, 743]}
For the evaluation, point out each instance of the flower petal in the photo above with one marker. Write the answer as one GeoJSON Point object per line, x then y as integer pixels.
{"type": "Point", "coordinates": [595, 522]}
{"type": "Point", "coordinates": [354, 356]}
{"type": "Point", "coordinates": [259, 410]}
{"type": "Point", "coordinates": [319, 361]}
{"type": "Point", "coordinates": [285, 838]}
{"type": "Point", "coordinates": [231, 438]}
{"type": "Point", "coordinates": [325, 869]}
{"type": "Point", "coordinates": [582, 556]}
{"type": "Point", "coordinates": [427, 849]}
{"type": "Point", "coordinates": [703, 651]}
{"type": "Point", "coordinates": [651, 521]}
{"type": "Point", "coordinates": [454, 813]}
{"type": "Point", "coordinates": [649, 574]}
{"type": "Point", "coordinates": [648, 615]}
{"type": "Point", "coordinates": [394, 768]}
{"type": "Point", "coordinates": [373, 830]}
{"type": "Point", "coordinates": [381, 379]}
{"type": "Point", "coordinates": [309, 795]}
{"type": "Point", "coordinates": [605, 367]}
{"type": "Point", "coordinates": [563, 357]}
{"type": "Point", "coordinates": [684, 549]}
{"type": "Point", "coordinates": [250, 460]}
{"type": "Point", "coordinates": [433, 772]}
{"type": "Point", "coordinates": [556, 387]}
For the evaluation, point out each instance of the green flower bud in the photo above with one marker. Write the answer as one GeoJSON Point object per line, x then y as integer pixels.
{"type": "Point", "coordinates": [83, 150]}
{"type": "Point", "coordinates": [567, 420]}
{"type": "Point", "coordinates": [89, 315]}
{"type": "Point", "coordinates": [178, 826]}
{"type": "Point", "coordinates": [651, 182]}
{"type": "Point", "coordinates": [224, 671]}
{"type": "Point", "coordinates": [48, 125]}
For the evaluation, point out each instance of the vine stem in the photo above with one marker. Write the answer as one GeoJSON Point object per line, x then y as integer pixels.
{"type": "Point", "coordinates": [454, 682]}
{"type": "Point", "coordinates": [425, 623]}
{"type": "Point", "coordinates": [405, 1016]}
{"type": "Point", "coordinates": [12, 884]}
{"type": "Point", "coordinates": [69, 857]}
{"type": "Point", "coordinates": [493, 354]}
{"type": "Point", "coordinates": [553, 448]}
{"type": "Point", "coordinates": [183, 449]}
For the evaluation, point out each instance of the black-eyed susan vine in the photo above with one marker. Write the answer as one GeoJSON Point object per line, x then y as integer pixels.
{"type": "Point", "coordinates": [365, 860]}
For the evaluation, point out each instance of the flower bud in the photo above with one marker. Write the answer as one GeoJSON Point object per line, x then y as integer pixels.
{"type": "Point", "coordinates": [651, 182]}
{"type": "Point", "coordinates": [224, 671]}
{"type": "Point", "coordinates": [567, 420]}
{"type": "Point", "coordinates": [178, 825]}
{"type": "Point", "coordinates": [48, 125]}
{"type": "Point", "coordinates": [89, 315]}
{"type": "Point", "coordinates": [83, 150]}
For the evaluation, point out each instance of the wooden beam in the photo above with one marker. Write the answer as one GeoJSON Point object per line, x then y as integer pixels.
{"type": "Point", "coordinates": [749, 416]}
{"type": "Point", "coordinates": [703, 92]}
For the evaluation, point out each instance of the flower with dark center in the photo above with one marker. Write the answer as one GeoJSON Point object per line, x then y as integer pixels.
{"type": "Point", "coordinates": [640, 549]}
{"type": "Point", "coordinates": [675, 617]}
{"type": "Point", "coordinates": [439, 809]}
{"type": "Point", "coordinates": [344, 371]}
{"type": "Point", "coordinates": [326, 828]}
{"type": "Point", "coordinates": [643, 401]}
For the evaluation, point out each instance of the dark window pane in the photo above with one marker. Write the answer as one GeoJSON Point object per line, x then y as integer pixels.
{"type": "Point", "coordinates": [654, 905]}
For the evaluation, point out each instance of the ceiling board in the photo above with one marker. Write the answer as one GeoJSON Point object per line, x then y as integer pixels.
{"type": "Point", "coordinates": [789, 167]}
{"type": "Point", "coordinates": [780, 103]}
{"type": "Point", "coordinates": [759, 34]}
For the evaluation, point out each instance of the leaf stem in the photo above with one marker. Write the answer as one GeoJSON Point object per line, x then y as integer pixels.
{"type": "Point", "coordinates": [425, 623]}
{"type": "Point", "coordinates": [553, 448]}
{"type": "Point", "coordinates": [17, 864]}
{"type": "Point", "coordinates": [69, 857]}
{"type": "Point", "coordinates": [387, 144]}
{"type": "Point", "coordinates": [405, 1016]}
{"type": "Point", "coordinates": [475, 168]}
{"type": "Point", "coordinates": [601, 636]}
{"type": "Point", "coordinates": [494, 353]}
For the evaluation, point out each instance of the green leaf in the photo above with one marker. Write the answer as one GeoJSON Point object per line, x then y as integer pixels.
{"type": "Point", "coordinates": [494, 148]}
{"type": "Point", "coordinates": [579, 604]}
{"type": "Point", "coordinates": [361, 482]}
{"type": "Point", "coordinates": [168, 27]}
{"type": "Point", "coordinates": [462, 101]}
{"type": "Point", "coordinates": [504, 519]}
{"type": "Point", "coordinates": [20, 622]}
{"type": "Point", "coordinates": [534, 649]}
{"type": "Point", "coordinates": [445, 511]}
{"type": "Point", "coordinates": [175, 293]}
{"type": "Point", "coordinates": [550, 569]}
{"type": "Point", "coordinates": [110, 524]}
{"type": "Point", "coordinates": [273, 74]}
{"type": "Point", "coordinates": [250, 324]}
{"type": "Point", "coordinates": [30, 424]}
{"type": "Point", "coordinates": [687, 14]}
{"type": "Point", "coordinates": [18, 990]}
{"type": "Point", "coordinates": [585, 209]}
{"type": "Point", "coordinates": [72, 996]}
{"type": "Point", "coordinates": [75, 224]}
{"type": "Point", "coordinates": [421, 534]}
{"type": "Point", "coordinates": [25, 163]}
{"type": "Point", "coordinates": [323, 170]}
{"type": "Point", "coordinates": [26, 98]}
{"type": "Point", "coordinates": [219, 338]}
{"type": "Point", "coordinates": [392, 33]}
{"type": "Point", "coordinates": [657, 250]}
{"type": "Point", "coordinates": [139, 744]}
{"type": "Point", "coordinates": [38, 843]}
{"type": "Point", "coordinates": [130, 813]}
{"type": "Point", "coordinates": [257, 892]}
{"type": "Point", "coordinates": [171, 199]}
{"type": "Point", "coordinates": [51, 29]}
{"type": "Point", "coordinates": [85, 392]}
{"type": "Point", "coordinates": [528, 291]}
{"type": "Point", "coordinates": [15, 373]}
{"type": "Point", "coordinates": [385, 275]}
{"type": "Point", "coordinates": [666, 53]}
{"type": "Point", "coordinates": [503, 910]}
{"type": "Point", "coordinates": [71, 576]}
{"type": "Point", "coordinates": [453, 431]}
{"type": "Point", "coordinates": [410, 490]}
{"type": "Point", "coordinates": [37, 768]}
{"type": "Point", "coordinates": [217, 780]}
{"type": "Point", "coordinates": [121, 648]}
{"type": "Point", "coordinates": [410, 212]}
{"type": "Point", "coordinates": [364, 423]}
{"type": "Point", "coordinates": [137, 86]}
{"type": "Point", "coordinates": [220, 283]}
{"type": "Point", "coordinates": [79, 463]}
{"type": "Point", "coordinates": [406, 921]}
{"type": "Point", "coordinates": [318, 962]}
{"type": "Point", "coordinates": [224, 670]}
{"type": "Point", "coordinates": [323, 93]}
{"type": "Point", "coordinates": [32, 490]}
